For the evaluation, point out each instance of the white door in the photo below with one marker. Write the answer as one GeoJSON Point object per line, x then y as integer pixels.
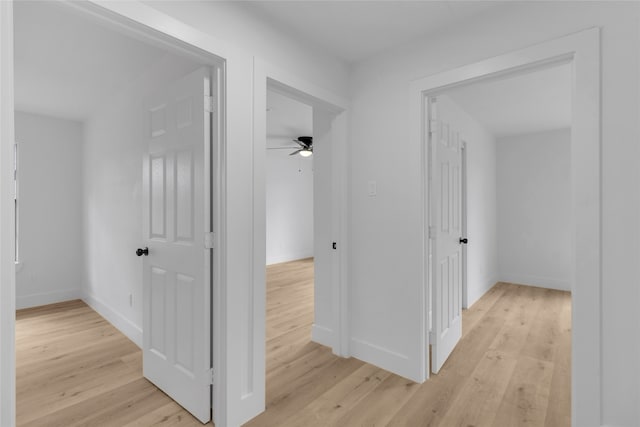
{"type": "Point", "coordinates": [446, 232]}
{"type": "Point", "coordinates": [177, 269]}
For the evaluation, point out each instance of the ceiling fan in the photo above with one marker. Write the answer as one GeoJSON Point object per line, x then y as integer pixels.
{"type": "Point", "coordinates": [305, 148]}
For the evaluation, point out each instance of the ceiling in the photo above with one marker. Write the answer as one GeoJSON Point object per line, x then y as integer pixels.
{"type": "Point", "coordinates": [65, 63]}
{"type": "Point", "coordinates": [287, 119]}
{"type": "Point", "coordinates": [354, 30]}
{"type": "Point", "coordinates": [533, 102]}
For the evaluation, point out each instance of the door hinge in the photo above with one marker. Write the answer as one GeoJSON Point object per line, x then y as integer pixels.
{"type": "Point", "coordinates": [209, 104]}
{"type": "Point", "coordinates": [433, 126]}
{"type": "Point", "coordinates": [432, 232]}
{"type": "Point", "coordinates": [210, 240]}
{"type": "Point", "coordinates": [210, 376]}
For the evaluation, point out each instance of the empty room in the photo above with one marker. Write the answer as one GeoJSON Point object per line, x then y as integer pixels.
{"type": "Point", "coordinates": [347, 213]}
{"type": "Point", "coordinates": [290, 226]}
{"type": "Point", "coordinates": [500, 193]}
{"type": "Point", "coordinates": [82, 155]}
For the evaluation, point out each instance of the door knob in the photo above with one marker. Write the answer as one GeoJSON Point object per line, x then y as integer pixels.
{"type": "Point", "coordinates": [141, 252]}
{"type": "Point", "coordinates": [463, 241]}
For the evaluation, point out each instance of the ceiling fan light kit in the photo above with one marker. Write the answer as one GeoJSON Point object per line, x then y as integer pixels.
{"type": "Point", "coordinates": [306, 146]}
{"type": "Point", "coordinates": [305, 143]}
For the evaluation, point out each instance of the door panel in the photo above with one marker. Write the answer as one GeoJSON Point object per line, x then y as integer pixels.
{"type": "Point", "coordinates": [184, 200]}
{"type": "Point", "coordinates": [158, 197]}
{"type": "Point", "coordinates": [155, 328]}
{"type": "Point", "coordinates": [177, 270]}
{"type": "Point", "coordinates": [446, 202]}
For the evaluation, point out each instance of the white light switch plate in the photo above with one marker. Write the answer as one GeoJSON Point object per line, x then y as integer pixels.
{"type": "Point", "coordinates": [372, 189]}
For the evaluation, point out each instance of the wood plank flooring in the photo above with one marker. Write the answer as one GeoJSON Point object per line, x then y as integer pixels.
{"type": "Point", "coordinates": [511, 368]}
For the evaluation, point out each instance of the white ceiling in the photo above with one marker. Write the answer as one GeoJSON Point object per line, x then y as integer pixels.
{"type": "Point", "coordinates": [527, 103]}
{"type": "Point", "coordinates": [354, 30]}
{"type": "Point", "coordinates": [287, 119]}
{"type": "Point", "coordinates": [65, 63]}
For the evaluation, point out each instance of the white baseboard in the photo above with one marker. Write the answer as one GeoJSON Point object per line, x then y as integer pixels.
{"type": "Point", "coordinates": [382, 357]}
{"type": "Point", "coordinates": [35, 300]}
{"type": "Point", "coordinates": [124, 325]}
{"type": "Point", "coordinates": [539, 281]}
{"type": "Point", "coordinates": [277, 259]}
{"type": "Point", "coordinates": [322, 335]}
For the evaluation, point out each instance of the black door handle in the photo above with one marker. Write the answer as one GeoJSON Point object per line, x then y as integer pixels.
{"type": "Point", "coordinates": [141, 252]}
{"type": "Point", "coordinates": [463, 241]}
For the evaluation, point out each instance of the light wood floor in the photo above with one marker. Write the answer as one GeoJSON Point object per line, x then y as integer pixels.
{"type": "Point", "coordinates": [511, 368]}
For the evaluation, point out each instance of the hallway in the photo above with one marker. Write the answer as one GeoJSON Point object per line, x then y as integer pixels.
{"type": "Point", "coordinates": [512, 367]}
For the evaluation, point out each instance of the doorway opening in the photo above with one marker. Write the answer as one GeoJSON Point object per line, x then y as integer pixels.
{"type": "Point", "coordinates": [290, 231]}
{"type": "Point", "coordinates": [511, 138]}
{"type": "Point", "coordinates": [100, 178]}
{"type": "Point", "coordinates": [517, 130]}
{"type": "Point", "coordinates": [323, 279]}
{"type": "Point", "coordinates": [289, 180]}
{"type": "Point", "coordinates": [580, 51]}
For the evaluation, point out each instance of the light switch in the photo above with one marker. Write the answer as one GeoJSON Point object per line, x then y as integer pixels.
{"type": "Point", "coordinates": [372, 189]}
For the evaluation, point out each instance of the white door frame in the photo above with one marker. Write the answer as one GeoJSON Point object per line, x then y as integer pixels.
{"type": "Point", "coordinates": [582, 50]}
{"type": "Point", "coordinates": [268, 75]}
{"type": "Point", "coordinates": [7, 222]}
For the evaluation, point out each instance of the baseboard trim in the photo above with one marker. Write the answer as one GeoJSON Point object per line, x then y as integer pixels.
{"type": "Point", "coordinates": [322, 335]}
{"type": "Point", "coordinates": [538, 281]}
{"type": "Point", "coordinates": [381, 357]}
{"type": "Point", "coordinates": [35, 300]}
{"type": "Point", "coordinates": [124, 325]}
{"type": "Point", "coordinates": [288, 258]}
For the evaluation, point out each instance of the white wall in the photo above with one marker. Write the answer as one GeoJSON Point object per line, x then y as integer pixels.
{"type": "Point", "coordinates": [289, 189]}
{"type": "Point", "coordinates": [50, 210]}
{"type": "Point", "coordinates": [534, 209]}
{"type": "Point", "coordinates": [384, 276]}
{"type": "Point", "coordinates": [112, 172]}
{"type": "Point", "coordinates": [482, 250]}
{"type": "Point", "coordinates": [289, 181]}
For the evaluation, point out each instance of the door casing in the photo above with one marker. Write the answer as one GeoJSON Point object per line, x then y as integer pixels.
{"type": "Point", "coordinates": [269, 76]}
{"type": "Point", "coordinates": [582, 50]}
{"type": "Point", "coordinates": [7, 222]}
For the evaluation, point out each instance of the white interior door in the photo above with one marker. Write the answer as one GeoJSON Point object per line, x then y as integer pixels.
{"type": "Point", "coordinates": [176, 217]}
{"type": "Point", "coordinates": [446, 234]}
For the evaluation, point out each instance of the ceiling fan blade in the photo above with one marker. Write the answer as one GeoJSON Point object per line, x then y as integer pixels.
{"type": "Point", "coordinates": [296, 152]}
{"type": "Point", "coordinates": [300, 143]}
{"type": "Point", "coordinates": [281, 148]}
{"type": "Point", "coordinates": [307, 141]}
